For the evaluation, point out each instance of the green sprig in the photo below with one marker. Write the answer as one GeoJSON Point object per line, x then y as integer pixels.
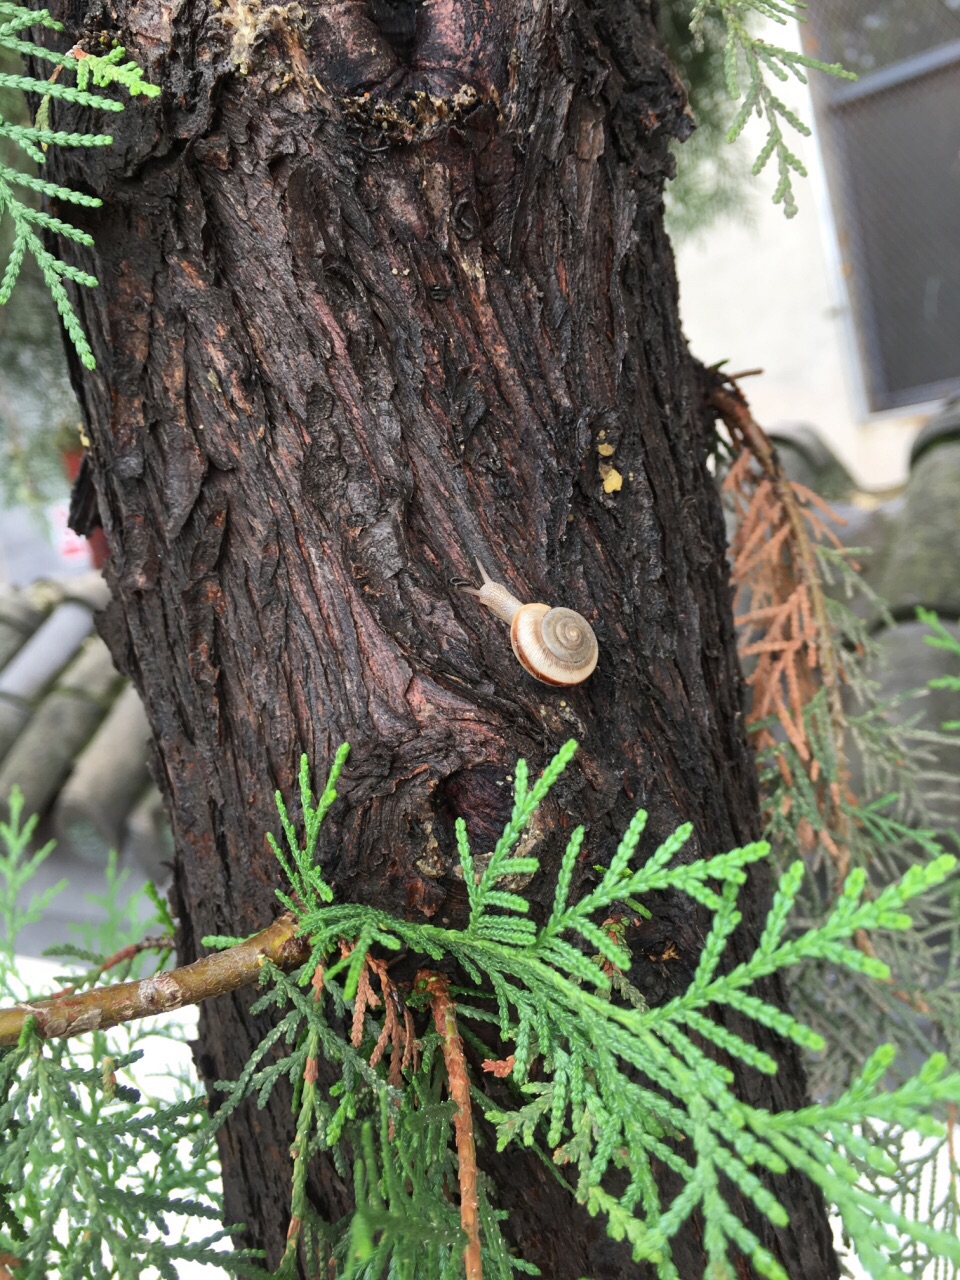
{"type": "Point", "coordinates": [103, 71]}
{"type": "Point", "coordinates": [91, 1170]}
{"type": "Point", "coordinates": [748, 55]}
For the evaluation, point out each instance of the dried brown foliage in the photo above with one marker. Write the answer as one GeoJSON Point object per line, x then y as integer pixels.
{"type": "Point", "coordinates": [397, 1033]}
{"type": "Point", "coordinates": [785, 639]}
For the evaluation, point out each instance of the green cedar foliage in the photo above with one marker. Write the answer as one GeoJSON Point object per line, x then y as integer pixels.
{"type": "Point", "coordinates": [102, 71]}
{"type": "Point", "coordinates": [943, 639]}
{"type": "Point", "coordinates": [618, 1086]}
{"type": "Point", "coordinates": [713, 178]}
{"type": "Point", "coordinates": [891, 820]}
{"type": "Point", "coordinates": [749, 63]}
{"type": "Point", "coordinates": [91, 1168]}
{"type": "Point", "coordinates": [889, 816]}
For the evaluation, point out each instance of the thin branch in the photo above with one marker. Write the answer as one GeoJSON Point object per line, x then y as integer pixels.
{"type": "Point", "coordinates": [133, 949]}
{"type": "Point", "coordinates": [214, 975]}
{"type": "Point", "coordinates": [445, 1020]}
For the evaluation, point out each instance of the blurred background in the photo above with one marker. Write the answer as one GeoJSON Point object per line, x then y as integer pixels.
{"type": "Point", "coordinates": [852, 308]}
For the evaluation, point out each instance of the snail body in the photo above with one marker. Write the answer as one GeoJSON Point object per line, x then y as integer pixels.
{"type": "Point", "coordinates": [556, 645]}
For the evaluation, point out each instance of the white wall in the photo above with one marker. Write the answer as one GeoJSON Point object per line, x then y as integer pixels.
{"type": "Point", "coordinates": [771, 295]}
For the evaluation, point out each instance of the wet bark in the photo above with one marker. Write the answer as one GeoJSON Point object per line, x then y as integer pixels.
{"type": "Point", "coordinates": [377, 283]}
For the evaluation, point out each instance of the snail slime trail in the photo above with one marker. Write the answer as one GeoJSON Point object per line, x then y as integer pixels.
{"type": "Point", "coordinates": [556, 645]}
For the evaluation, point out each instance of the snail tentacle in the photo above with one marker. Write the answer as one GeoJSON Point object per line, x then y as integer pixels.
{"type": "Point", "coordinates": [501, 602]}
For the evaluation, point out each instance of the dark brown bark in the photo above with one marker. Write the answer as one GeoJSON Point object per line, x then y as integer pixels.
{"type": "Point", "coordinates": [369, 303]}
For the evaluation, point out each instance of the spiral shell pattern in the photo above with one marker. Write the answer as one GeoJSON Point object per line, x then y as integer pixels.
{"type": "Point", "coordinates": [557, 646]}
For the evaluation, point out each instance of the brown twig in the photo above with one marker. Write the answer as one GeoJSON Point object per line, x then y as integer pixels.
{"type": "Point", "coordinates": [436, 986]}
{"type": "Point", "coordinates": [398, 1034]}
{"type": "Point", "coordinates": [214, 975]}
{"type": "Point", "coordinates": [732, 407]}
{"type": "Point", "coordinates": [9, 1262]}
{"type": "Point", "coordinates": [788, 631]}
{"type": "Point", "coordinates": [161, 943]}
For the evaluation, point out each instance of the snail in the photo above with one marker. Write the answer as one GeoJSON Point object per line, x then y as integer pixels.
{"type": "Point", "coordinates": [557, 646]}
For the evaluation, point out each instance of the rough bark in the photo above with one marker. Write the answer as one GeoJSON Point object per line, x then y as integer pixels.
{"type": "Point", "coordinates": [373, 291]}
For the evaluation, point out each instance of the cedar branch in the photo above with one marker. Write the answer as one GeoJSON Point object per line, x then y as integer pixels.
{"type": "Point", "coordinates": [213, 975]}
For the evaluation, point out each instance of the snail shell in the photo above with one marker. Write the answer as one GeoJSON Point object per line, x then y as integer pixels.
{"type": "Point", "coordinates": [557, 646]}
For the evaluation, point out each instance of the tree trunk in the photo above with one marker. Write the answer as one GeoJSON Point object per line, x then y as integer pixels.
{"type": "Point", "coordinates": [377, 283]}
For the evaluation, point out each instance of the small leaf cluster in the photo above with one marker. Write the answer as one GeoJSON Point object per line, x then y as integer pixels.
{"type": "Point", "coordinates": [747, 54]}
{"type": "Point", "coordinates": [619, 1089]}
{"type": "Point", "coordinates": [103, 71]}
{"type": "Point", "coordinates": [713, 179]}
{"type": "Point", "coordinates": [941, 638]}
{"type": "Point", "coordinates": [90, 1168]}
{"type": "Point", "coordinates": [404, 1217]}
